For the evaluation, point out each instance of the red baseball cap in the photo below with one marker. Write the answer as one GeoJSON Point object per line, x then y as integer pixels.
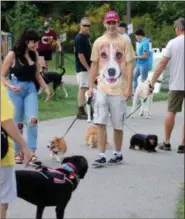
{"type": "Point", "coordinates": [111, 16]}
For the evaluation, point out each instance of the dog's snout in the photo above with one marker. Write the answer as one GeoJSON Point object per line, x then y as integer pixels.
{"type": "Point", "coordinates": [111, 72]}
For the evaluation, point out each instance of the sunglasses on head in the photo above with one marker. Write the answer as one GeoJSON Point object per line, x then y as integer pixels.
{"type": "Point", "coordinates": [86, 25]}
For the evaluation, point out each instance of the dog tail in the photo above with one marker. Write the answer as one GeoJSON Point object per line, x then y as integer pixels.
{"type": "Point", "coordinates": [63, 70]}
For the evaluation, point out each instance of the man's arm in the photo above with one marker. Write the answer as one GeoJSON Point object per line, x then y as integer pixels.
{"type": "Point", "coordinates": [93, 74]}
{"type": "Point", "coordinates": [130, 68]}
{"type": "Point", "coordinates": [160, 68]}
{"type": "Point", "coordinates": [83, 61]}
{"type": "Point", "coordinates": [59, 45]}
{"type": "Point", "coordinates": [144, 56]}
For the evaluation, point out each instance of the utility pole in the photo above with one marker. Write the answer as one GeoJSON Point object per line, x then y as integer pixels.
{"type": "Point", "coordinates": [128, 11]}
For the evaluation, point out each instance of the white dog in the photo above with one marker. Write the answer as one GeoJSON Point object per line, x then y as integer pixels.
{"type": "Point", "coordinates": [90, 106]}
{"type": "Point", "coordinates": [146, 99]}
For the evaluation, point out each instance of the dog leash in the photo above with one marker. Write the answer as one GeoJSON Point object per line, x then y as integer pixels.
{"type": "Point", "coordinates": [74, 121]}
{"type": "Point", "coordinates": [136, 108]}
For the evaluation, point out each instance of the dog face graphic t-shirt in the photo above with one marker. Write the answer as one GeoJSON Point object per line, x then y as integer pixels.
{"type": "Point", "coordinates": [112, 56]}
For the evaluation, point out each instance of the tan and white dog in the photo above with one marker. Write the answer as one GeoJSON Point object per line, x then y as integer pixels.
{"type": "Point", "coordinates": [57, 148]}
{"type": "Point", "coordinates": [90, 105]}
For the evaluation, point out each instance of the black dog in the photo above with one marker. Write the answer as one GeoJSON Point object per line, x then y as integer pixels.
{"type": "Point", "coordinates": [46, 187]}
{"type": "Point", "coordinates": [146, 142]}
{"type": "Point", "coordinates": [55, 78]}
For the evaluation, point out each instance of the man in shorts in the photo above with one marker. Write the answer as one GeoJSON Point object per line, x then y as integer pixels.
{"type": "Point", "coordinates": [174, 53]}
{"type": "Point", "coordinates": [82, 62]}
{"type": "Point", "coordinates": [8, 190]}
{"type": "Point", "coordinates": [45, 47]}
{"type": "Point", "coordinates": [112, 59]}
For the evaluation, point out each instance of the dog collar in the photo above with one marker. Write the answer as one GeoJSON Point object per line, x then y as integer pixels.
{"type": "Point", "coordinates": [69, 167]}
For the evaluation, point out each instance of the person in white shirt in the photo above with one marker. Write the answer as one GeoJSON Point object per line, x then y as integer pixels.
{"type": "Point", "coordinates": [123, 30]}
{"type": "Point", "coordinates": [174, 54]}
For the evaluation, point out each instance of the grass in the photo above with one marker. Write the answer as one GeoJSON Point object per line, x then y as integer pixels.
{"type": "Point", "coordinates": [69, 63]}
{"type": "Point", "coordinates": [180, 206]}
{"type": "Point", "coordinates": [61, 107]}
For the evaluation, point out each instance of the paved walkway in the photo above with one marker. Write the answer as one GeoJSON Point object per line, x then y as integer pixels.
{"type": "Point", "coordinates": [147, 185]}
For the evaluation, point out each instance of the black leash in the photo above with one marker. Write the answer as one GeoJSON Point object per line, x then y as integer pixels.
{"type": "Point", "coordinates": [136, 108]}
{"type": "Point", "coordinates": [74, 121]}
{"type": "Point", "coordinates": [69, 59]}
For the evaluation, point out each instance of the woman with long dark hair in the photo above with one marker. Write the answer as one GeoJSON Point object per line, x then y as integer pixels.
{"type": "Point", "coordinates": [22, 65]}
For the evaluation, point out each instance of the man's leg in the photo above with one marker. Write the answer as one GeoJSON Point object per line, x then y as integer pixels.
{"type": "Point", "coordinates": [83, 81]}
{"type": "Point", "coordinates": [3, 210]}
{"type": "Point", "coordinates": [101, 117]}
{"type": "Point", "coordinates": [168, 126]}
{"type": "Point", "coordinates": [175, 101]}
{"type": "Point", "coordinates": [118, 111]}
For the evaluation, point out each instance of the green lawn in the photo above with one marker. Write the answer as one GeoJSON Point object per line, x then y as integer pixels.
{"type": "Point", "coordinates": [69, 63]}
{"type": "Point", "coordinates": [180, 207]}
{"type": "Point", "coordinates": [62, 107]}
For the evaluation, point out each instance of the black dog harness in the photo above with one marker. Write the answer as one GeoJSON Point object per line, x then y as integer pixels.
{"type": "Point", "coordinates": [64, 174]}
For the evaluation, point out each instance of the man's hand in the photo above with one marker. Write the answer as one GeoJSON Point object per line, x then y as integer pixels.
{"type": "Point", "coordinates": [90, 92]}
{"type": "Point", "coordinates": [128, 94]}
{"type": "Point", "coordinates": [48, 95]}
{"type": "Point", "coordinates": [151, 89]}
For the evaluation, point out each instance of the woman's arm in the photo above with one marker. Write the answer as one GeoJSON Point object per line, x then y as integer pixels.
{"type": "Point", "coordinates": [41, 80]}
{"type": "Point", "coordinates": [7, 63]}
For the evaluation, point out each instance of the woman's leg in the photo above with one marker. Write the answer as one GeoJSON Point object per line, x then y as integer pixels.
{"type": "Point", "coordinates": [136, 75]}
{"type": "Point", "coordinates": [31, 113]}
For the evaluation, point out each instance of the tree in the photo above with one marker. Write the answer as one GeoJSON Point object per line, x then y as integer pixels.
{"type": "Point", "coordinates": [23, 15]}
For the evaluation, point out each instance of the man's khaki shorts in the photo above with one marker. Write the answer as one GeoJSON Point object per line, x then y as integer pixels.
{"type": "Point", "coordinates": [113, 105]}
{"type": "Point", "coordinates": [175, 101]}
{"type": "Point", "coordinates": [8, 188]}
{"type": "Point", "coordinates": [83, 79]}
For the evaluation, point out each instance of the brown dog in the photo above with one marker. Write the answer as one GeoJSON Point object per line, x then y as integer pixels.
{"type": "Point", "coordinates": [57, 148]}
{"type": "Point", "coordinates": [91, 138]}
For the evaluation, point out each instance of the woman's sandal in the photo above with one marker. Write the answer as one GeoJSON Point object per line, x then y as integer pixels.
{"type": "Point", "coordinates": [34, 160]}
{"type": "Point", "coordinates": [18, 159]}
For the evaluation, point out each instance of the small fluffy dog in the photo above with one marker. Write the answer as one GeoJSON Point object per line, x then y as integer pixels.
{"type": "Point", "coordinates": [91, 138]}
{"type": "Point", "coordinates": [45, 187]}
{"type": "Point", "coordinates": [144, 142]}
{"type": "Point", "coordinates": [141, 93]}
{"type": "Point", "coordinates": [55, 78]}
{"type": "Point", "coordinates": [57, 148]}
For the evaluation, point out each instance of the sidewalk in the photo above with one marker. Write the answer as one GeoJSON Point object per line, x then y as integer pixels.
{"type": "Point", "coordinates": [147, 185]}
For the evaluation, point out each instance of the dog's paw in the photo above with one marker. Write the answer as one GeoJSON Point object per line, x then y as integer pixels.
{"type": "Point", "coordinates": [148, 116]}
{"type": "Point", "coordinates": [89, 120]}
{"type": "Point", "coordinates": [141, 113]}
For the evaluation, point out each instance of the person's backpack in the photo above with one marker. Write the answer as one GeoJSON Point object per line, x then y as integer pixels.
{"type": "Point", "coordinates": [4, 143]}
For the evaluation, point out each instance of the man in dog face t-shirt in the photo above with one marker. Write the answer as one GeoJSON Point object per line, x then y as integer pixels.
{"type": "Point", "coordinates": [112, 60]}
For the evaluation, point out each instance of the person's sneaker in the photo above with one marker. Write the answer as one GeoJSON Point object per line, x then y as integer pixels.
{"type": "Point", "coordinates": [165, 147]}
{"type": "Point", "coordinates": [181, 149]}
{"type": "Point", "coordinates": [100, 162]}
{"type": "Point", "coordinates": [115, 160]}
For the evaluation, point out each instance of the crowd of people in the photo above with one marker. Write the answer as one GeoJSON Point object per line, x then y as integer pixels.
{"type": "Point", "coordinates": [111, 61]}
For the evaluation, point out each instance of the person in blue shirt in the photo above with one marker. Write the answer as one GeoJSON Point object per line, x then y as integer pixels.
{"type": "Point", "coordinates": [142, 57]}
